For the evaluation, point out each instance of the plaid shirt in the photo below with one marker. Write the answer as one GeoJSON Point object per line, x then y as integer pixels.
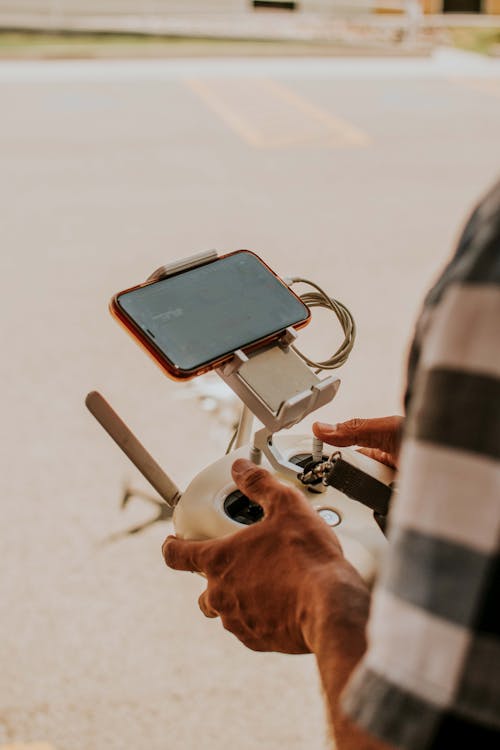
{"type": "Point", "coordinates": [431, 674]}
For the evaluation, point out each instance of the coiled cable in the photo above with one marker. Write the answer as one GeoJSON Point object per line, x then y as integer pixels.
{"type": "Point", "coordinates": [319, 298]}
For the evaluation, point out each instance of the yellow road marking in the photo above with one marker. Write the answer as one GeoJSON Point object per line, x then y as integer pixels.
{"type": "Point", "coordinates": [267, 114]}
{"type": "Point", "coordinates": [344, 130]}
{"type": "Point", "coordinates": [490, 86]}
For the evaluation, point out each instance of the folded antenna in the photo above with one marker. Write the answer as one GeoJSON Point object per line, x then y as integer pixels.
{"type": "Point", "coordinates": [133, 449]}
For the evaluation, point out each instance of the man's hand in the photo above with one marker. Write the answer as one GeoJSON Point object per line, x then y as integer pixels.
{"type": "Point", "coordinates": [283, 584]}
{"type": "Point", "coordinates": [277, 582]}
{"type": "Point", "coordinates": [380, 438]}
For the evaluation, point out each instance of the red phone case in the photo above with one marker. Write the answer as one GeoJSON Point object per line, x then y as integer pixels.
{"type": "Point", "coordinates": [159, 357]}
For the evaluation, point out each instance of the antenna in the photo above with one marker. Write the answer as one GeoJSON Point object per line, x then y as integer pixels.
{"type": "Point", "coordinates": [133, 449]}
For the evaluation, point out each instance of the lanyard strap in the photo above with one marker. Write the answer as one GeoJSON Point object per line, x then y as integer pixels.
{"type": "Point", "coordinates": [360, 486]}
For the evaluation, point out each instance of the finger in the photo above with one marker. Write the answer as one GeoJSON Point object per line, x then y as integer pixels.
{"type": "Point", "coordinates": [370, 433]}
{"type": "Point", "coordinates": [182, 554]}
{"type": "Point", "coordinates": [205, 606]}
{"type": "Point", "coordinates": [378, 455]}
{"type": "Point", "coordinates": [250, 641]}
{"type": "Point", "coordinates": [258, 484]}
{"type": "Point", "coordinates": [239, 628]}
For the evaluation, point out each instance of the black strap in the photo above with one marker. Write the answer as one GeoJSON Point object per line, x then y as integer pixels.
{"type": "Point", "coordinates": [360, 486]}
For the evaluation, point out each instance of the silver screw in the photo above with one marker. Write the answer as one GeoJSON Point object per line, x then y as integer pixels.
{"type": "Point", "coordinates": [255, 455]}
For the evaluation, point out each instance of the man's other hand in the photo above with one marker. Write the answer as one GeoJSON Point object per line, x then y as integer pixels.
{"type": "Point", "coordinates": [379, 438]}
{"type": "Point", "coordinates": [279, 582]}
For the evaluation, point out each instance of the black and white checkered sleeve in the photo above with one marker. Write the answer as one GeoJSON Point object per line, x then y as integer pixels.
{"type": "Point", "coordinates": [431, 674]}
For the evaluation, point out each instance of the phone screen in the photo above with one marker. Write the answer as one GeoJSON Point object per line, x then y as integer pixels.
{"type": "Point", "coordinates": [199, 315]}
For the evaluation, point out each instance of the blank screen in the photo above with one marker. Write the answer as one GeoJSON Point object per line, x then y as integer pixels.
{"type": "Point", "coordinates": [207, 312]}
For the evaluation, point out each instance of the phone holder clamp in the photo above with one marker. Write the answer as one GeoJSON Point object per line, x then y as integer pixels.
{"type": "Point", "coordinates": [280, 389]}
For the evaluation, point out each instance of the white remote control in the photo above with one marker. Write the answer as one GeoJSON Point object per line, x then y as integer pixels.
{"type": "Point", "coordinates": [212, 506]}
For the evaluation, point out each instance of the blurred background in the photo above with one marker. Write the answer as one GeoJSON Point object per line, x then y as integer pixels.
{"type": "Point", "coordinates": [344, 141]}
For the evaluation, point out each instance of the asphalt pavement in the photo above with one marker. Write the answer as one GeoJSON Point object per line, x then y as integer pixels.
{"type": "Point", "coordinates": [356, 174]}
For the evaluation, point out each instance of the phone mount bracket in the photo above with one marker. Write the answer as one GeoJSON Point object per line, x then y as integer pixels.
{"type": "Point", "coordinates": [273, 381]}
{"type": "Point", "coordinates": [280, 389]}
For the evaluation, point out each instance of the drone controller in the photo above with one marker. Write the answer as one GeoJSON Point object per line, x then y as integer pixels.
{"type": "Point", "coordinates": [212, 505]}
{"type": "Point", "coordinates": [348, 490]}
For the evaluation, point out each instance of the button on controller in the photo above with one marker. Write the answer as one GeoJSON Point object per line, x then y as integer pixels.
{"type": "Point", "coordinates": [329, 516]}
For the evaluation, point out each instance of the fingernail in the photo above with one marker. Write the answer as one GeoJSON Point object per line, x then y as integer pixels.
{"type": "Point", "coordinates": [241, 465]}
{"type": "Point", "coordinates": [324, 427]}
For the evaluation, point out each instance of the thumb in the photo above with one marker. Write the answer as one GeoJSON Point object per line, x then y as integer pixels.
{"type": "Point", "coordinates": [369, 433]}
{"type": "Point", "coordinates": [259, 485]}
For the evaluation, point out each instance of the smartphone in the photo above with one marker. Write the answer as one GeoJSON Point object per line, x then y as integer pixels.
{"type": "Point", "coordinates": [193, 321]}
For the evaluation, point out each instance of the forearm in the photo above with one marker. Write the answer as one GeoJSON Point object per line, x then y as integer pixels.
{"type": "Point", "coordinates": [337, 638]}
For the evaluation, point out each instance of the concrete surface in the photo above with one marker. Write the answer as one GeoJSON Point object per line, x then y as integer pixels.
{"type": "Point", "coordinates": [108, 172]}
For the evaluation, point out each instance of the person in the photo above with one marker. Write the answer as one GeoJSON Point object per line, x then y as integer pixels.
{"type": "Point", "coordinates": [415, 665]}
